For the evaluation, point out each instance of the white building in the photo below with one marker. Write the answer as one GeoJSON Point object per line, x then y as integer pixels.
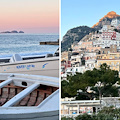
{"type": "Point", "coordinates": [104, 28]}
{"type": "Point", "coordinates": [109, 35]}
{"type": "Point", "coordinates": [106, 43]}
{"type": "Point", "coordinates": [115, 22]}
{"type": "Point", "coordinates": [75, 60]}
{"type": "Point", "coordinates": [90, 64]}
{"type": "Point", "coordinates": [87, 56]}
{"type": "Point", "coordinates": [72, 71]}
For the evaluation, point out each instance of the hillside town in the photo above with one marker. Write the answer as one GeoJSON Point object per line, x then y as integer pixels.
{"type": "Point", "coordinates": [91, 51]}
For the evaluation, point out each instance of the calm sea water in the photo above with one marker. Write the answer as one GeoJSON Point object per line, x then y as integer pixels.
{"type": "Point", "coordinates": [25, 44]}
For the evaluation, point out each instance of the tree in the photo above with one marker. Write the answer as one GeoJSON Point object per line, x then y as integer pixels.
{"type": "Point", "coordinates": [98, 81]}
{"type": "Point", "coordinates": [64, 118]}
{"type": "Point", "coordinates": [64, 89]}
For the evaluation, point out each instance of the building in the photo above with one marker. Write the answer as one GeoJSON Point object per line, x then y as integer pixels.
{"type": "Point", "coordinates": [115, 22]}
{"type": "Point", "coordinates": [115, 55]}
{"type": "Point", "coordinates": [75, 108]}
{"type": "Point", "coordinates": [76, 59]}
{"type": "Point", "coordinates": [106, 43]}
{"type": "Point", "coordinates": [109, 35]}
{"type": "Point", "coordinates": [107, 50]}
{"type": "Point", "coordinates": [87, 56]}
{"type": "Point", "coordinates": [64, 56]}
{"type": "Point", "coordinates": [90, 64]}
{"type": "Point", "coordinates": [113, 63]}
{"type": "Point", "coordinates": [72, 71]}
{"type": "Point", "coordinates": [64, 65]}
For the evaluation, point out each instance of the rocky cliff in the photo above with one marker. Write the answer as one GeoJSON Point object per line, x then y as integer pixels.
{"type": "Point", "coordinates": [75, 35]}
{"type": "Point", "coordinates": [106, 20]}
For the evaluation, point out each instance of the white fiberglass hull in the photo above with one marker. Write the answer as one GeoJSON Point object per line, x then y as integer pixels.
{"type": "Point", "coordinates": [52, 115]}
{"type": "Point", "coordinates": [42, 66]}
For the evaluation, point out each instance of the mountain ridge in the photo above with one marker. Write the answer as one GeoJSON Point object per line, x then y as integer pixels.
{"type": "Point", "coordinates": [109, 15]}
{"type": "Point", "coordinates": [77, 33]}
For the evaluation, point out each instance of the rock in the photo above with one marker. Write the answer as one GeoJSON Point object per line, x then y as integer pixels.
{"type": "Point", "coordinates": [106, 20]}
{"type": "Point", "coordinates": [14, 31]}
{"type": "Point", "coordinates": [6, 32]}
{"type": "Point", "coordinates": [21, 32]}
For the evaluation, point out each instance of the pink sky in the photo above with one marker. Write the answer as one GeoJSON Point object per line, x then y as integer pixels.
{"type": "Point", "coordinates": [31, 16]}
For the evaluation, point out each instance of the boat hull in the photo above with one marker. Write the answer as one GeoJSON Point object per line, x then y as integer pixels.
{"type": "Point", "coordinates": [38, 99]}
{"type": "Point", "coordinates": [51, 115]}
{"type": "Point", "coordinates": [45, 67]}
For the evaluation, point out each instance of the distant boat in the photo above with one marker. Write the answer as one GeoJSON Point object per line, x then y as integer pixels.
{"type": "Point", "coordinates": [50, 43]}
{"type": "Point", "coordinates": [28, 97]}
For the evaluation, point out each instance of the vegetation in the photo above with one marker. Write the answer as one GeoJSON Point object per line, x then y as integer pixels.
{"type": "Point", "coordinates": [64, 118]}
{"type": "Point", "coordinates": [91, 84]}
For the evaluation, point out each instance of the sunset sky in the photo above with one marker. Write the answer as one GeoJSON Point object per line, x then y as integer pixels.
{"type": "Point", "coordinates": [31, 16]}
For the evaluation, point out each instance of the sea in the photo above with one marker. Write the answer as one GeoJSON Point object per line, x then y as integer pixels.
{"type": "Point", "coordinates": [26, 44]}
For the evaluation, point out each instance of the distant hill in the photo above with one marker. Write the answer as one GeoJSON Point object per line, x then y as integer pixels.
{"type": "Point", "coordinates": [75, 35]}
{"type": "Point", "coordinates": [14, 31]}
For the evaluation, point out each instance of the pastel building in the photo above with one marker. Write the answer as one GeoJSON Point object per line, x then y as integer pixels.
{"type": "Point", "coordinates": [88, 46]}
{"type": "Point", "coordinates": [109, 56]}
{"type": "Point", "coordinates": [64, 56]}
{"type": "Point", "coordinates": [106, 43]}
{"type": "Point", "coordinates": [93, 49]}
{"type": "Point", "coordinates": [87, 56]}
{"type": "Point", "coordinates": [64, 65]}
{"type": "Point", "coordinates": [109, 35]}
{"type": "Point", "coordinates": [75, 59]}
{"type": "Point", "coordinates": [113, 63]}
{"type": "Point", "coordinates": [112, 49]}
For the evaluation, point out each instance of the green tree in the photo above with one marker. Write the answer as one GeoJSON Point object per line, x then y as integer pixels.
{"type": "Point", "coordinates": [64, 118]}
{"type": "Point", "coordinates": [84, 117]}
{"type": "Point", "coordinates": [100, 81]}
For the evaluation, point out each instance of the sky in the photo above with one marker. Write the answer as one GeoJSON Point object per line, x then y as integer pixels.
{"type": "Point", "coordinates": [85, 12]}
{"type": "Point", "coordinates": [30, 16]}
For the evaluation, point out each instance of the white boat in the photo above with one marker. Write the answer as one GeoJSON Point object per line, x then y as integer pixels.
{"type": "Point", "coordinates": [28, 97]}
{"type": "Point", "coordinates": [44, 65]}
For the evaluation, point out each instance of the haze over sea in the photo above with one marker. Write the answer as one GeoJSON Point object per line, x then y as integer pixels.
{"type": "Point", "coordinates": [25, 44]}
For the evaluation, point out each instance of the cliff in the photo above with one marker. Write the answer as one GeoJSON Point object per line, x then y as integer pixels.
{"type": "Point", "coordinates": [106, 20]}
{"type": "Point", "coordinates": [75, 35]}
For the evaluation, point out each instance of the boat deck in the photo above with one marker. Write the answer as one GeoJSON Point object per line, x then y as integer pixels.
{"type": "Point", "coordinates": [27, 91]}
{"type": "Point", "coordinates": [33, 99]}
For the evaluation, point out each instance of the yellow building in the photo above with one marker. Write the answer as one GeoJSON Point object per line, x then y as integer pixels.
{"type": "Point", "coordinates": [108, 56]}
{"type": "Point", "coordinates": [113, 63]}
{"type": "Point", "coordinates": [64, 56]}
